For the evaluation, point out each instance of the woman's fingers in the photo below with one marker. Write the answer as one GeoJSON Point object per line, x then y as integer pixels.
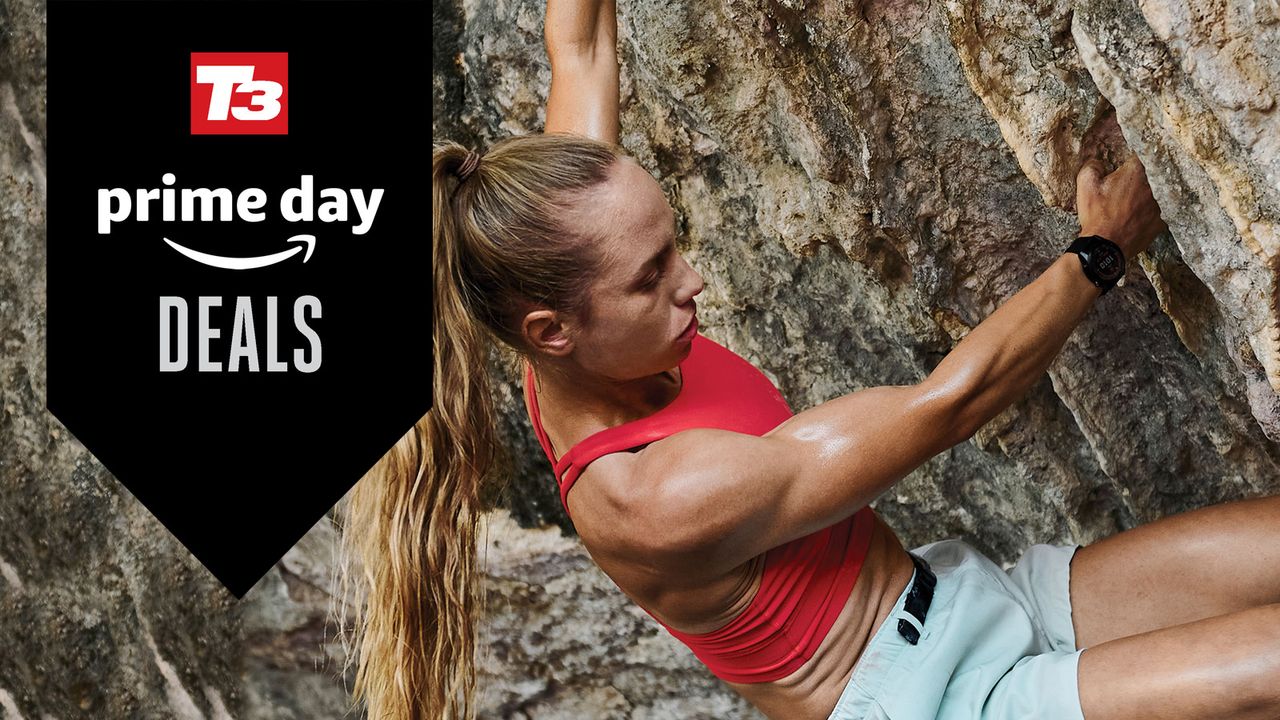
{"type": "Point", "coordinates": [1090, 174]}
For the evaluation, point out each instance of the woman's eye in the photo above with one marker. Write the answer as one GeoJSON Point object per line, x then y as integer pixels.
{"type": "Point", "coordinates": [654, 281]}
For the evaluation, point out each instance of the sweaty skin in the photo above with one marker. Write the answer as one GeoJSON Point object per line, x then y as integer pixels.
{"type": "Point", "coordinates": [694, 604]}
{"type": "Point", "coordinates": [1192, 601]}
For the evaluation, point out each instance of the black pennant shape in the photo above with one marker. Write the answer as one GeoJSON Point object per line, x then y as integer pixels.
{"type": "Point", "coordinates": [239, 271]}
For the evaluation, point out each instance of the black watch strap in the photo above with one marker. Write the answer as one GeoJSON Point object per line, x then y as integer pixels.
{"type": "Point", "coordinates": [1102, 260]}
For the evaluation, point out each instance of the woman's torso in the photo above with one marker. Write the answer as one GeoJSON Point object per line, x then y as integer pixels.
{"type": "Point", "coordinates": [692, 602]}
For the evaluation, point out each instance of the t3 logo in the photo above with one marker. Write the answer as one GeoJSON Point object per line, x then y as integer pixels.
{"type": "Point", "coordinates": [239, 93]}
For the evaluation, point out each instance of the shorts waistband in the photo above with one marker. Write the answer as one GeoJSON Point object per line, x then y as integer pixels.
{"type": "Point", "coordinates": [878, 663]}
{"type": "Point", "coordinates": [919, 597]}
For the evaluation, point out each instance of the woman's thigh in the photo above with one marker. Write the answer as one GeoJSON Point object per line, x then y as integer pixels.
{"type": "Point", "coordinates": [1176, 570]}
{"type": "Point", "coordinates": [1224, 668]}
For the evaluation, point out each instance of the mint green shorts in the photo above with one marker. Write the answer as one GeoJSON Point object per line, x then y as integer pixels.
{"type": "Point", "coordinates": [994, 645]}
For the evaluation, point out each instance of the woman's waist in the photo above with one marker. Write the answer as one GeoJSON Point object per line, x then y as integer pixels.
{"type": "Point", "coordinates": [813, 689]}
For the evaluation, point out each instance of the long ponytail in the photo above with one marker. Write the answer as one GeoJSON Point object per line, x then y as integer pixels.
{"type": "Point", "coordinates": [411, 523]}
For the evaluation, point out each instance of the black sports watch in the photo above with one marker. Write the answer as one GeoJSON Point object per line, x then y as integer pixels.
{"type": "Point", "coordinates": [1102, 260]}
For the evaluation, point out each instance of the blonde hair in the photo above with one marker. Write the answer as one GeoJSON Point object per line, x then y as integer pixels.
{"type": "Point", "coordinates": [409, 535]}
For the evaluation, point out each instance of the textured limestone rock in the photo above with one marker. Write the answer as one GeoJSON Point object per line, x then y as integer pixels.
{"type": "Point", "coordinates": [565, 644]}
{"type": "Point", "coordinates": [1031, 82]}
{"type": "Point", "coordinates": [1198, 85]}
{"type": "Point", "coordinates": [1193, 87]}
{"type": "Point", "coordinates": [861, 184]}
{"type": "Point", "coordinates": [104, 614]}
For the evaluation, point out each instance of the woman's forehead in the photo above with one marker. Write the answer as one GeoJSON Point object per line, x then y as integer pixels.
{"type": "Point", "coordinates": [632, 200]}
{"type": "Point", "coordinates": [631, 213]}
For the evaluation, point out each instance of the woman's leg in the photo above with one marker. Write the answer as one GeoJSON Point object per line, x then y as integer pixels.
{"type": "Point", "coordinates": [1183, 568]}
{"type": "Point", "coordinates": [1224, 668]}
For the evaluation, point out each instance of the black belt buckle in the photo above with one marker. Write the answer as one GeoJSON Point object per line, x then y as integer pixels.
{"type": "Point", "coordinates": [918, 598]}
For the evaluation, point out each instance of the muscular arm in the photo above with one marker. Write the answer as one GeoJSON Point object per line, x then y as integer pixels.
{"type": "Point", "coordinates": [718, 498]}
{"type": "Point", "coordinates": [1001, 358]}
{"type": "Point", "coordinates": [709, 500]}
{"type": "Point", "coordinates": [582, 37]}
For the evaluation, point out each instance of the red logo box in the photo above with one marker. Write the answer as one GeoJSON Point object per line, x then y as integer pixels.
{"type": "Point", "coordinates": [240, 93]}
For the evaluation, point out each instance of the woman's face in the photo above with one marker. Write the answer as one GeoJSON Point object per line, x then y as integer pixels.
{"type": "Point", "coordinates": [642, 298]}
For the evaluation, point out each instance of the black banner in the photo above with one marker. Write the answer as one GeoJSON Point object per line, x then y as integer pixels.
{"type": "Point", "coordinates": [239, 269]}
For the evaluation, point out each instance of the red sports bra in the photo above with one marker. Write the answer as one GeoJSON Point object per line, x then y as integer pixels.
{"type": "Point", "coordinates": [804, 583]}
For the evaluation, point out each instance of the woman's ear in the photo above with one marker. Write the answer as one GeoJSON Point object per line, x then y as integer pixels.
{"type": "Point", "coordinates": [548, 332]}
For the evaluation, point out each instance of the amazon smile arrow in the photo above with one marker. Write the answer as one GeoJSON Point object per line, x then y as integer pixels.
{"type": "Point", "coordinates": [232, 263]}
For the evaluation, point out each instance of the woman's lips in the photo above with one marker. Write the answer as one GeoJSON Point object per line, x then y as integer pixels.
{"type": "Point", "coordinates": [690, 331]}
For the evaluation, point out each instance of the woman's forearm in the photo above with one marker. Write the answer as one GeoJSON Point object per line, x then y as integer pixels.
{"type": "Point", "coordinates": [580, 26]}
{"type": "Point", "coordinates": [1001, 358]}
{"type": "Point", "coordinates": [582, 39]}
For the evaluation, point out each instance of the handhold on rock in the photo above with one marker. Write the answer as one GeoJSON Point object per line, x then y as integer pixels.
{"type": "Point", "coordinates": [1102, 140]}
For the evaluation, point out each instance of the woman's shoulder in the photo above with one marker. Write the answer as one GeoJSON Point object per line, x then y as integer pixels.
{"type": "Point", "coordinates": [613, 503]}
{"type": "Point", "coordinates": [603, 502]}
{"type": "Point", "coordinates": [634, 553]}
{"type": "Point", "coordinates": [625, 500]}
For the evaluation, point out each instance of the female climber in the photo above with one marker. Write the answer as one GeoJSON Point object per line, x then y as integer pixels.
{"type": "Point", "coordinates": [744, 528]}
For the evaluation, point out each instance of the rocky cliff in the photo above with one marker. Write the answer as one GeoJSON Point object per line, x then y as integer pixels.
{"type": "Point", "coordinates": [861, 184]}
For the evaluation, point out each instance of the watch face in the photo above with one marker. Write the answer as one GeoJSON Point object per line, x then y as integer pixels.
{"type": "Point", "coordinates": [1107, 261]}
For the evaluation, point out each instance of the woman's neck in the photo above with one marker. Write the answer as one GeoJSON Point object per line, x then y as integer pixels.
{"type": "Point", "coordinates": [600, 402]}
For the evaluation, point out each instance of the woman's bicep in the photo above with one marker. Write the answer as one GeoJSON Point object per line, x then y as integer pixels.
{"type": "Point", "coordinates": [696, 491]}
{"type": "Point", "coordinates": [855, 447]}
{"type": "Point", "coordinates": [724, 497]}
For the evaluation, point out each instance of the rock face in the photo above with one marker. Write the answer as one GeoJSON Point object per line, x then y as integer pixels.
{"type": "Point", "coordinates": [860, 184]}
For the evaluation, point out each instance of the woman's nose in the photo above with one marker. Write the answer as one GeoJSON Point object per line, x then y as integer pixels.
{"type": "Point", "coordinates": [693, 285]}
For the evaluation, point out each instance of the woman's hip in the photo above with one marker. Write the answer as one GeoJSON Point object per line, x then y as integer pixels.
{"type": "Point", "coordinates": [986, 644]}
